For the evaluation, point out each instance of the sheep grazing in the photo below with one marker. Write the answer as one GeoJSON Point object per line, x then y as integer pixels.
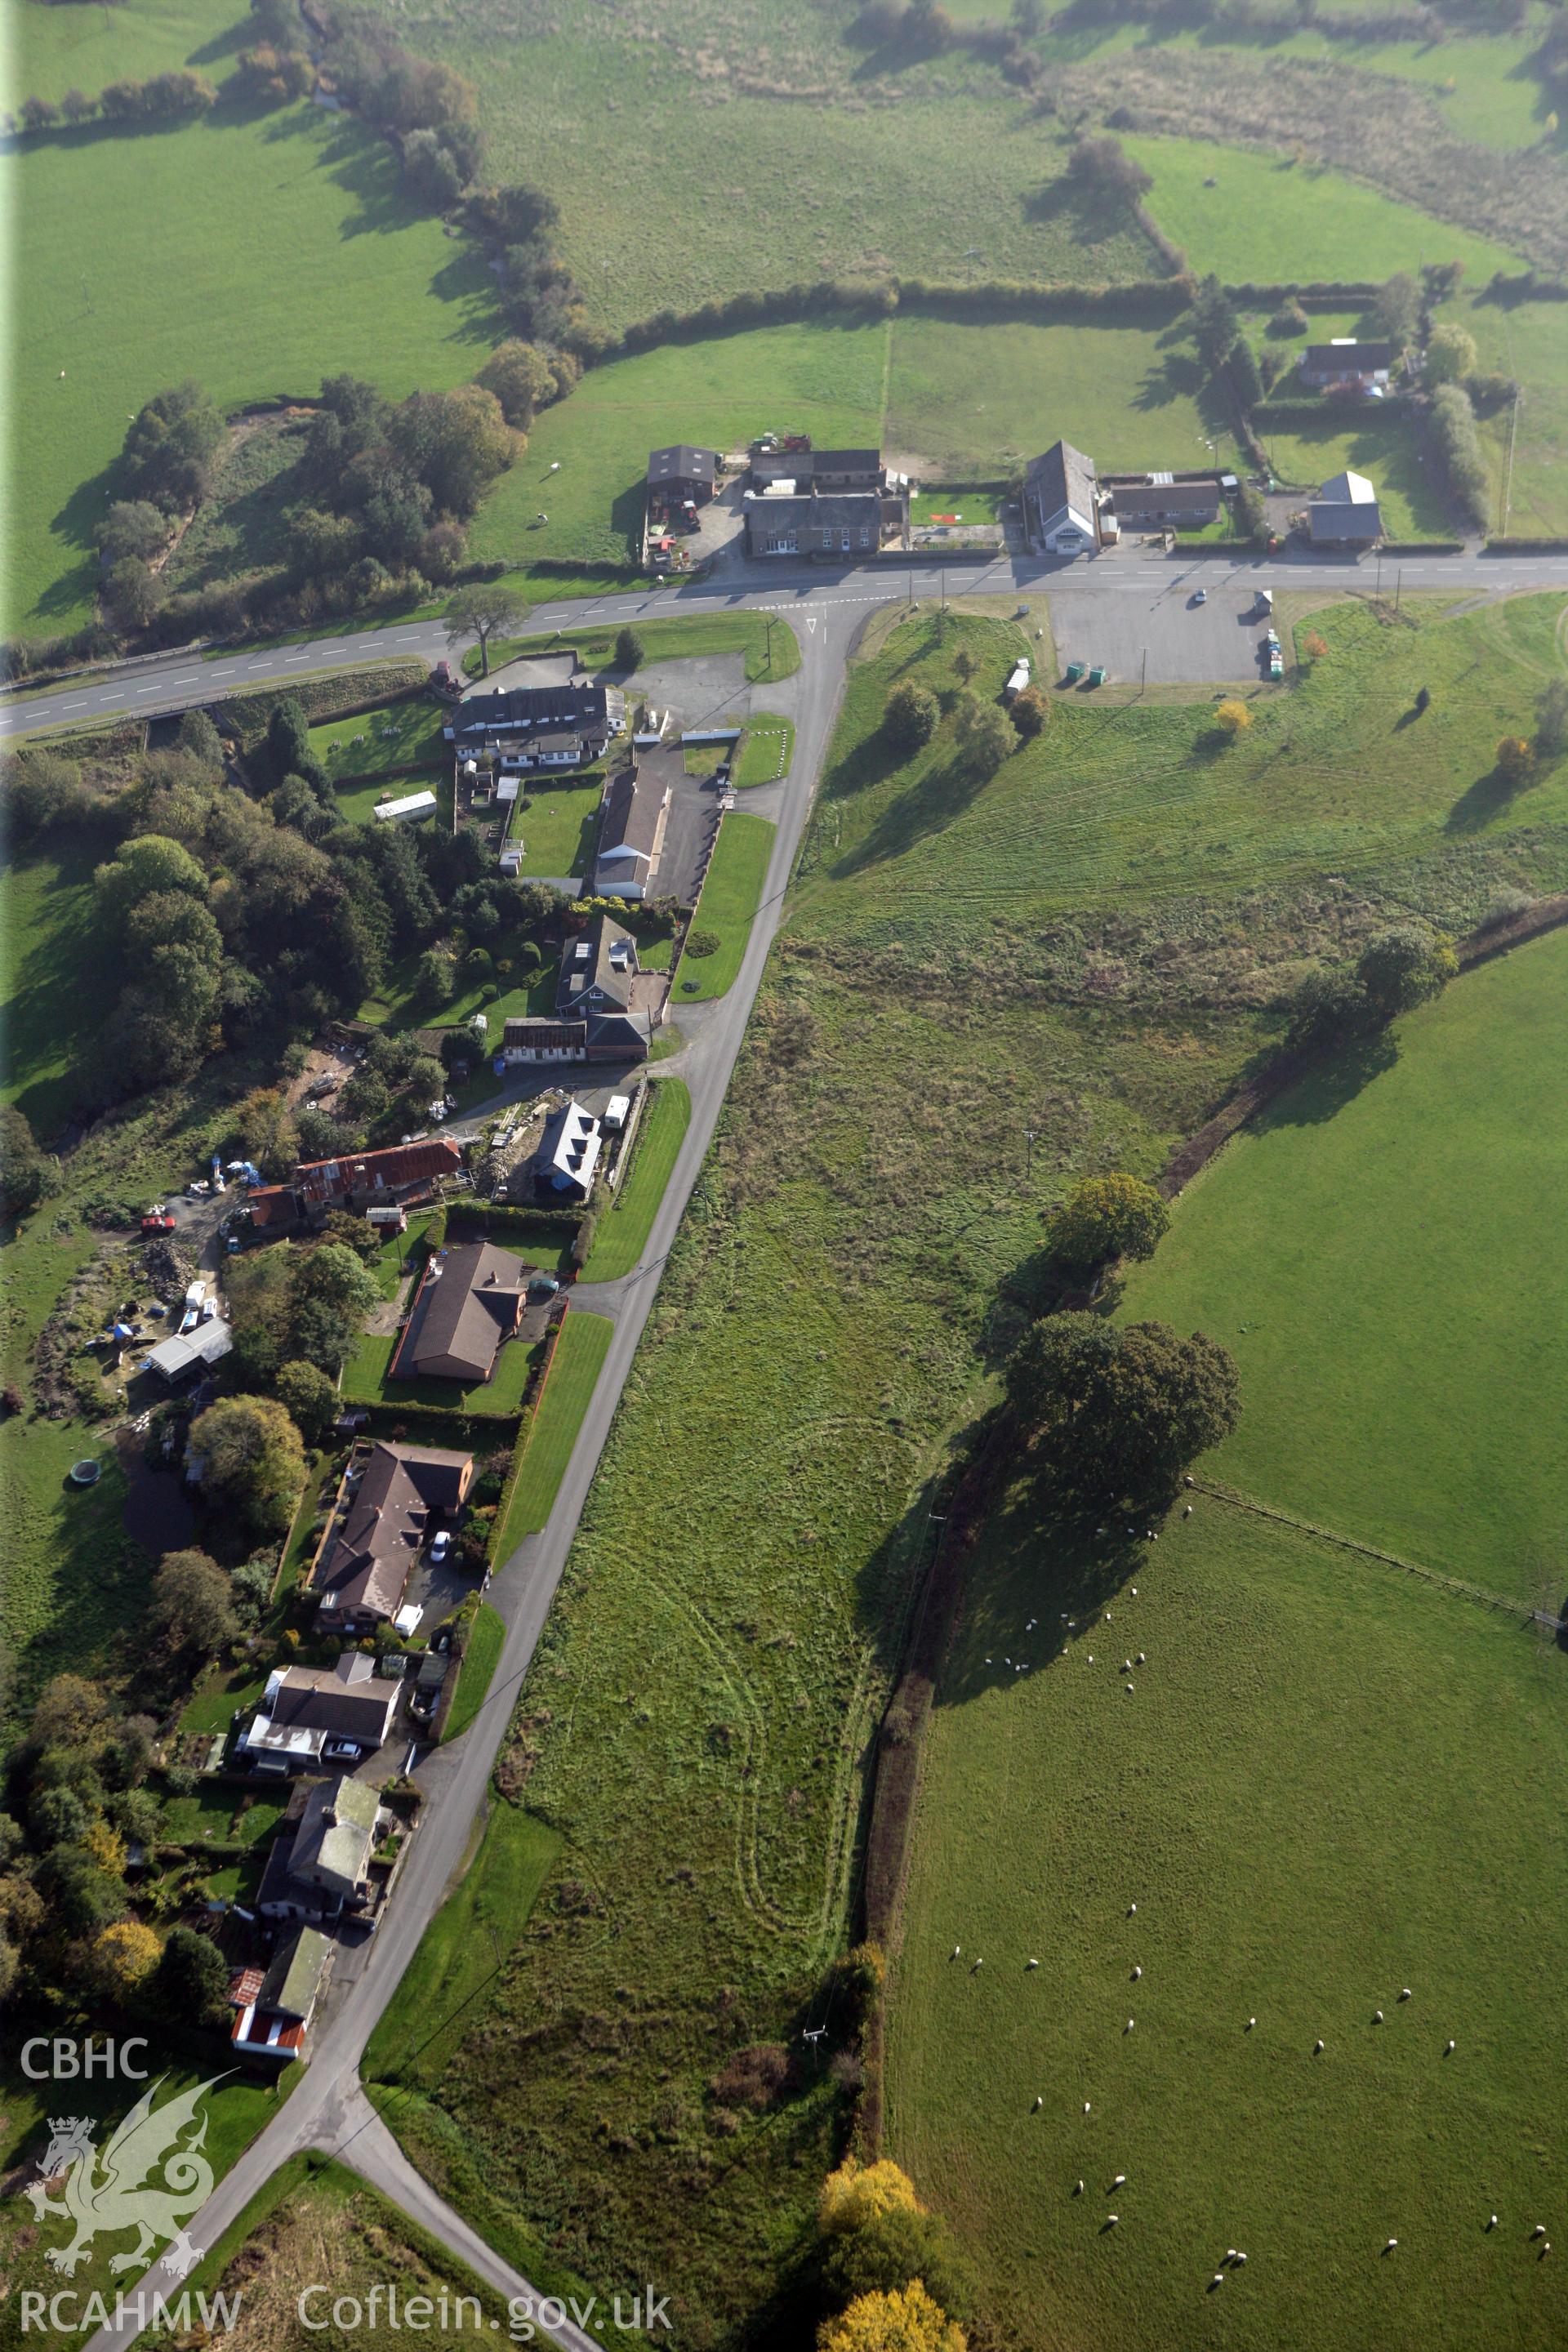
{"type": "Point", "coordinates": [978, 1963]}
{"type": "Point", "coordinates": [1039, 2103]}
{"type": "Point", "coordinates": [1539, 2231]}
{"type": "Point", "coordinates": [1492, 2223]}
{"type": "Point", "coordinates": [1377, 2016]}
{"type": "Point", "coordinates": [1449, 2049]}
{"type": "Point", "coordinates": [1545, 2247]}
{"type": "Point", "coordinates": [1085, 2106]}
{"type": "Point", "coordinates": [1135, 1593]}
{"type": "Point", "coordinates": [1317, 2049]}
{"type": "Point", "coordinates": [1091, 1657]}
{"type": "Point", "coordinates": [955, 1951]}
{"type": "Point", "coordinates": [1230, 2253]}
{"type": "Point", "coordinates": [1217, 2280]}
{"type": "Point", "coordinates": [1140, 1660]}
{"type": "Point", "coordinates": [1405, 1993]}
{"type": "Point", "coordinates": [1127, 1665]}
{"type": "Point", "coordinates": [1130, 2024]}
{"type": "Point", "coordinates": [1131, 1908]}
{"type": "Point", "coordinates": [1388, 2249]}
{"type": "Point", "coordinates": [1250, 2023]}
{"type": "Point", "coordinates": [1078, 2191]}
{"type": "Point", "coordinates": [1136, 1974]}
{"type": "Point", "coordinates": [1129, 1690]}
{"type": "Point", "coordinates": [1239, 2259]}
{"type": "Point", "coordinates": [1186, 1510]}
{"type": "Point", "coordinates": [1112, 2219]}
{"type": "Point", "coordinates": [1030, 1964]}
{"type": "Point", "coordinates": [1119, 2181]}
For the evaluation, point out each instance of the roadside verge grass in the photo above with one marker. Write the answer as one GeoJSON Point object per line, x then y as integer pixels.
{"type": "Point", "coordinates": [770, 653]}
{"type": "Point", "coordinates": [728, 901]}
{"type": "Point", "coordinates": [476, 1670]}
{"type": "Point", "coordinates": [767, 747]}
{"type": "Point", "coordinates": [623, 1228]}
{"type": "Point", "coordinates": [463, 1951]}
{"type": "Point", "coordinates": [557, 1417]}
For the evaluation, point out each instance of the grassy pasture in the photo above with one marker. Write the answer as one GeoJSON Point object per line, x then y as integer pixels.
{"type": "Point", "coordinates": [1528, 342]}
{"type": "Point", "coordinates": [1267, 217]}
{"type": "Point", "coordinates": [1327, 1783]}
{"type": "Point", "coordinates": [623, 1226]}
{"type": "Point", "coordinates": [59, 974]}
{"type": "Point", "coordinates": [399, 735]}
{"type": "Point", "coordinates": [288, 228]}
{"type": "Point", "coordinates": [1411, 500]}
{"type": "Point", "coordinates": [1374, 1257]}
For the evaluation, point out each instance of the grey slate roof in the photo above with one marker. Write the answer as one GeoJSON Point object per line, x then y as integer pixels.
{"type": "Point", "coordinates": [680, 463]}
{"type": "Point", "coordinates": [1360, 359]}
{"type": "Point", "coordinates": [1062, 478]}
{"type": "Point", "coordinates": [582, 708]}
{"type": "Point", "coordinates": [463, 1313]}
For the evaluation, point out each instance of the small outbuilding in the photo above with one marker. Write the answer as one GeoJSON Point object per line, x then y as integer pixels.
{"type": "Point", "coordinates": [407, 810]}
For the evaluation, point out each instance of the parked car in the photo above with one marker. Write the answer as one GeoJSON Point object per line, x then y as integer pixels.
{"type": "Point", "coordinates": [1199, 596]}
{"type": "Point", "coordinates": [158, 1220]}
{"type": "Point", "coordinates": [439, 1547]}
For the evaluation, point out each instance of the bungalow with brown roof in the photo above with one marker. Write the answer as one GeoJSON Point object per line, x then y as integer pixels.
{"type": "Point", "coordinates": [470, 1300]}
{"type": "Point", "coordinates": [633, 814]}
{"type": "Point", "coordinates": [314, 1715]}
{"type": "Point", "coordinates": [381, 1521]}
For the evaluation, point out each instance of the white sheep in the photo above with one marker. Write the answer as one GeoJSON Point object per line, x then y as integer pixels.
{"type": "Point", "coordinates": [1492, 2223]}
{"type": "Point", "coordinates": [1377, 2016]}
{"type": "Point", "coordinates": [1539, 2231]}
{"type": "Point", "coordinates": [1217, 2280]}
{"type": "Point", "coordinates": [956, 1950]}
{"type": "Point", "coordinates": [1136, 1974]}
{"type": "Point", "coordinates": [1030, 1964]}
{"type": "Point", "coordinates": [1250, 2023]}
{"type": "Point", "coordinates": [1129, 1690]}
{"type": "Point", "coordinates": [1317, 2049]}
{"type": "Point", "coordinates": [1239, 2259]}
{"type": "Point", "coordinates": [978, 1963]}
{"type": "Point", "coordinates": [1112, 2219]}
{"type": "Point", "coordinates": [1119, 2181]}
{"type": "Point", "coordinates": [1039, 2103]}
{"type": "Point", "coordinates": [1405, 1993]}
{"type": "Point", "coordinates": [1141, 1658]}
{"type": "Point", "coordinates": [1449, 2049]}
{"type": "Point", "coordinates": [1085, 2106]}
{"type": "Point", "coordinates": [1388, 2249]}
{"type": "Point", "coordinates": [1078, 2191]}
{"type": "Point", "coordinates": [1131, 1908]}
{"type": "Point", "coordinates": [1130, 2024]}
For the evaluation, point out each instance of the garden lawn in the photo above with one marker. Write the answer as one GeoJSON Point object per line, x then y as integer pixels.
{"type": "Point", "coordinates": [766, 750]}
{"type": "Point", "coordinates": [1267, 218]}
{"type": "Point", "coordinates": [475, 1673]}
{"type": "Point", "coordinates": [399, 1005]}
{"type": "Point", "coordinates": [401, 734]}
{"type": "Point", "coordinates": [621, 1234]}
{"type": "Point", "coordinates": [366, 1378]}
{"type": "Point", "coordinates": [557, 831]}
{"type": "Point", "coordinates": [557, 1417]}
{"type": "Point", "coordinates": [1379, 1256]}
{"type": "Point", "coordinates": [1327, 1783]}
{"type": "Point", "coordinates": [216, 1703]}
{"type": "Point", "coordinates": [771, 646]}
{"type": "Point", "coordinates": [289, 226]}
{"type": "Point", "coordinates": [727, 901]}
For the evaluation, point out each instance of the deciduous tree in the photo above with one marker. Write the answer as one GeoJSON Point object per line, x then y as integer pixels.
{"type": "Point", "coordinates": [1106, 1217]}
{"type": "Point", "coordinates": [191, 1601]}
{"type": "Point", "coordinates": [1117, 1412]}
{"type": "Point", "coordinates": [248, 1452]}
{"type": "Point", "coordinates": [910, 716]}
{"type": "Point", "coordinates": [484, 612]}
{"type": "Point", "coordinates": [908, 2320]}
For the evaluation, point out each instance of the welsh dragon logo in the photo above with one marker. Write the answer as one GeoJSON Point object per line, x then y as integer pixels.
{"type": "Point", "coordinates": [108, 2190]}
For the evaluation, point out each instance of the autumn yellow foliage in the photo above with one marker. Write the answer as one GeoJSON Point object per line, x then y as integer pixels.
{"type": "Point", "coordinates": [907, 2320]}
{"type": "Point", "coordinates": [857, 2193]}
{"type": "Point", "coordinates": [124, 1955]}
{"type": "Point", "coordinates": [1233, 715]}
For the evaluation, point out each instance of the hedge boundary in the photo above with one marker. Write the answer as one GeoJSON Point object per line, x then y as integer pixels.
{"type": "Point", "coordinates": [1507, 544]}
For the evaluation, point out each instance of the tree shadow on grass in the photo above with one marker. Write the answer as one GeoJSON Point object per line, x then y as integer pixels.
{"type": "Point", "coordinates": [933, 801]}
{"type": "Point", "coordinates": [1328, 1084]}
{"type": "Point", "coordinates": [1489, 796]}
{"type": "Point", "coordinates": [1048, 1559]}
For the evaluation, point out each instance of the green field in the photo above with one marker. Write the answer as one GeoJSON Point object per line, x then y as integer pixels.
{"type": "Point", "coordinates": [558, 831]}
{"type": "Point", "coordinates": [1528, 341]}
{"type": "Point", "coordinates": [1269, 218]}
{"type": "Point", "coordinates": [289, 227]}
{"type": "Point", "coordinates": [475, 1674]}
{"type": "Point", "coordinates": [400, 1006]}
{"type": "Point", "coordinates": [624, 1226]}
{"type": "Point", "coordinates": [767, 747]}
{"type": "Point", "coordinates": [557, 1417]}
{"type": "Point", "coordinates": [1327, 1784]}
{"type": "Point", "coordinates": [729, 901]}
{"type": "Point", "coordinates": [968, 400]}
{"type": "Point", "coordinates": [58, 974]}
{"type": "Point", "coordinates": [772, 652]}
{"type": "Point", "coordinates": [400, 735]}
{"type": "Point", "coordinates": [1377, 1264]}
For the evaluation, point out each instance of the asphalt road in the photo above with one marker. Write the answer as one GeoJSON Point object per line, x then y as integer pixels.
{"type": "Point", "coordinates": [328, 2109]}
{"type": "Point", "coordinates": [168, 682]}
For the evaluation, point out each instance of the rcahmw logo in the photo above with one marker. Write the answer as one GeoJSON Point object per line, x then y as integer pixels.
{"type": "Point", "coordinates": [150, 2177]}
{"type": "Point", "coordinates": [69, 2314]}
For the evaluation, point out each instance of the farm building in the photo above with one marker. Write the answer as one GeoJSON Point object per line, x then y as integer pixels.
{"type": "Point", "coordinates": [785, 519]}
{"type": "Point", "coordinates": [176, 1359]}
{"type": "Point", "coordinates": [407, 810]}
{"type": "Point", "coordinates": [382, 1517]}
{"type": "Point", "coordinates": [1060, 504]}
{"type": "Point", "coordinates": [1345, 360]}
{"type": "Point", "coordinates": [537, 1039]}
{"type": "Point", "coordinates": [532, 727]}
{"type": "Point", "coordinates": [1344, 513]}
{"type": "Point", "coordinates": [367, 1180]}
{"type": "Point", "coordinates": [633, 814]}
{"type": "Point", "coordinates": [469, 1301]}
{"type": "Point", "coordinates": [821, 469]}
{"type": "Point", "coordinates": [680, 476]}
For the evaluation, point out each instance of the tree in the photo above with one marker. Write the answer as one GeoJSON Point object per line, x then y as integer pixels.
{"type": "Point", "coordinates": [482, 612]}
{"type": "Point", "coordinates": [454, 443]}
{"type": "Point", "coordinates": [629, 649]}
{"type": "Point", "coordinates": [191, 1601]}
{"type": "Point", "coordinates": [524, 378]}
{"type": "Point", "coordinates": [984, 736]}
{"type": "Point", "coordinates": [170, 447]}
{"type": "Point", "coordinates": [149, 864]}
{"type": "Point", "coordinates": [1029, 712]}
{"type": "Point", "coordinates": [431, 170]}
{"type": "Point", "coordinates": [893, 2248]}
{"type": "Point", "coordinates": [1106, 1217]}
{"type": "Point", "coordinates": [38, 114]}
{"type": "Point", "coordinates": [68, 1712]}
{"type": "Point", "coordinates": [1104, 166]}
{"type": "Point", "coordinates": [1117, 1412]}
{"type": "Point", "coordinates": [132, 527]}
{"type": "Point", "coordinates": [1450, 354]}
{"type": "Point", "coordinates": [1441, 280]}
{"type": "Point", "coordinates": [123, 1957]}
{"type": "Point", "coordinates": [1401, 967]}
{"type": "Point", "coordinates": [197, 734]}
{"type": "Point", "coordinates": [77, 1894]}
{"type": "Point", "coordinates": [1397, 310]}
{"type": "Point", "coordinates": [857, 2193]}
{"type": "Point", "coordinates": [910, 716]}
{"type": "Point", "coordinates": [131, 593]}
{"type": "Point", "coordinates": [27, 1174]}
{"type": "Point", "coordinates": [1514, 759]}
{"type": "Point", "coordinates": [907, 2320]}
{"type": "Point", "coordinates": [1552, 717]}
{"type": "Point", "coordinates": [272, 76]}
{"type": "Point", "coordinates": [1233, 718]}
{"type": "Point", "coordinates": [246, 1452]}
{"type": "Point", "coordinates": [1215, 323]}
{"type": "Point", "coordinates": [310, 1398]}
{"type": "Point", "coordinates": [190, 1984]}
{"type": "Point", "coordinates": [1244, 373]}
{"type": "Point", "coordinates": [77, 106]}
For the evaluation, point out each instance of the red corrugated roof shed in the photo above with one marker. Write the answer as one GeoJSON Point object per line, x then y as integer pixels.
{"type": "Point", "coordinates": [392, 1170]}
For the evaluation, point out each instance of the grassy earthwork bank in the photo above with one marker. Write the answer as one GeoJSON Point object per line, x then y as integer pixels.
{"type": "Point", "coordinates": [1327, 1783]}
{"type": "Point", "coordinates": [1093, 945]}
{"type": "Point", "coordinates": [557, 1417]}
{"type": "Point", "coordinates": [727, 906]}
{"type": "Point", "coordinates": [1377, 1235]}
{"type": "Point", "coordinates": [624, 1226]}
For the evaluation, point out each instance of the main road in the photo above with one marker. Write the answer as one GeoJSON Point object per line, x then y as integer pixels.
{"type": "Point", "coordinates": [165, 682]}
{"type": "Point", "coordinates": [329, 2110]}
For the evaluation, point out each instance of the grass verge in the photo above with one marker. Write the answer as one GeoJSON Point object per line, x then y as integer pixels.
{"type": "Point", "coordinates": [727, 906]}
{"type": "Point", "coordinates": [621, 1234]}
{"type": "Point", "coordinates": [479, 1661]}
{"type": "Point", "coordinates": [557, 1417]}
